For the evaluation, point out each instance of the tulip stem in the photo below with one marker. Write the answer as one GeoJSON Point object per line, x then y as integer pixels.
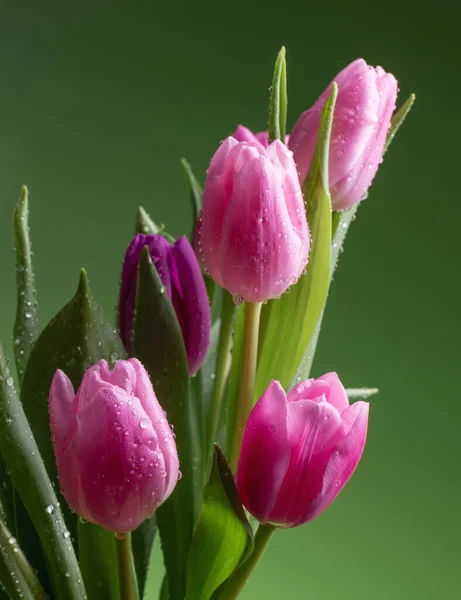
{"type": "Point", "coordinates": [223, 363]}
{"type": "Point", "coordinates": [233, 586]}
{"type": "Point", "coordinates": [126, 572]}
{"type": "Point", "coordinates": [247, 377]}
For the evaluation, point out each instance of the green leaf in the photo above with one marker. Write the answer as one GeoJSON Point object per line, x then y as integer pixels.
{"type": "Point", "coordinates": [22, 458]}
{"type": "Point", "coordinates": [361, 393]}
{"type": "Point", "coordinates": [234, 378]}
{"type": "Point", "coordinates": [30, 576]}
{"type": "Point", "coordinates": [158, 343]}
{"type": "Point", "coordinates": [11, 576]}
{"type": "Point", "coordinates": [26, 329]}
{"type": "Point", "coordinates": [398, 118]}
{"type": "Point", "coordinates": [142, 540]}
{"type": "Point", "coordinates": [282, 346]}
{"type": "Point", "coordinates": [223, 538]}
{"type": "Point", "coordinates": [144, 224]}
{"type": "Point", "coordinates": [196, 192]}
{"type": "Point", "coordinates": [278, 99]}
{"type": "Point", "coordinates": [76, 338]}
{"type": "Point", "coordinates": [341, 222]}
{"type": "Point", "coordinates": [98, 562]}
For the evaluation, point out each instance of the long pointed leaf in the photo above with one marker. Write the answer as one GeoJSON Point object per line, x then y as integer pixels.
{"type": "Point", "coordinates": [26, 325]}
{"type": "Point", "coordinates": [278, 100]}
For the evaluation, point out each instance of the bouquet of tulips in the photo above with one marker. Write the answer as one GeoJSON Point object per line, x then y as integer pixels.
{"type": "Point", "coordinates": [195, 414]}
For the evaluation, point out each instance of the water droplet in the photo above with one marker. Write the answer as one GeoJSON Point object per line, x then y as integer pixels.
{"type": "Point", "coordinates": [50, 509]}
{"type": "Point", "coordinates": [12, 540]}
{"type": "Point", "coordinates": [120, 536]}
{"type": "Point", "coordinates": [66, 535]}
{"type": "Point", "coordinates": [179, 475]}
{"type": "Point", "coordinates": [143, 423]}
{"type": "Point", "coordinates": [67, 574]}
{"type": "Point", "coordinates": [9, 382]}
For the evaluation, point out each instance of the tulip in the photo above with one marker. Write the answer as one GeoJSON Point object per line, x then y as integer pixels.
{"type": "Point", "coordinates": [115, 451]}
{"type": "Point", "coordinates": [180, 273]}
{"type": "Point", "coordinates": [299, 450]}
{"type": "Point", "coordinates": [254, 235]}
{"type": "Point", "coordinates": [364, 106]}
{"type": "Point", "coordinates": [243, 134]}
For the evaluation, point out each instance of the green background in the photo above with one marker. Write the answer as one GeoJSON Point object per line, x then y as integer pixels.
{"type": "Point", "coordinates": [98, 101]}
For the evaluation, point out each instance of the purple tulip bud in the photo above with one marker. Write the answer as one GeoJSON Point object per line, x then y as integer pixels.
{"type": "Point", "coordinates": [362, 117]}
{"type": "Point", "coordinates": [180, 273]}
{"type": "Point", "coordinates": [254, 234]}
{"type": "Point", "coordinates": [115, 451]}
{"type": "Point", "coordinates": [298, 452]}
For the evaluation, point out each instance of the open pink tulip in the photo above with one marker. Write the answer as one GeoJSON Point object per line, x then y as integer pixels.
{"type": "Point", "coordinates": [298, 452]}
{"type": "Point", "coordinates": [254, 235]}
{"type": "Point", "coordinates": [115, 452]}
{"type": "Point", "coordinates": [364, 107]}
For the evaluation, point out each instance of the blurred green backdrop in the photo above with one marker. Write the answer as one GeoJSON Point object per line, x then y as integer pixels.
{"type": "Point", "coordinates": [98, 101]}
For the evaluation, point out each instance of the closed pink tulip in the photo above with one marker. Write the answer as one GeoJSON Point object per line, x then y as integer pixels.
{"type": "Point", "coordinates": [115, 451]}
{"type": "Point", "coordinates": [300, 450]}
{"type": "Point", "coordinates": [364, 106]}
{"type": "Point", "coordinates": [254, 234]}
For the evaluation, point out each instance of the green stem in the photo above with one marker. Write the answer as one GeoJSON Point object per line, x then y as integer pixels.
{"type": "Point", "coordinates": [22, 563]}
{"type": "Point", "coordinates": [247, 377]}
{"type": "Point", "coordinates": [223, 363]}
{"type": "Point", "coordinates": [126, 572]}
{"type": "Point", "coordinates": [233, 586]}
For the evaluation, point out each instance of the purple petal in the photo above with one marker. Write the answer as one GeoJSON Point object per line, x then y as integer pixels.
{"type": "Point", "coordinates": [195, 308]}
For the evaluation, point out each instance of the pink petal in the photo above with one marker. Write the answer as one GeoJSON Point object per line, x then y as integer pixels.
{"type": "Point", "coordinates": [337, 394]}
{"type": "Point", "coordinates": [63, 425]}
{"type": "Point", "coordinates": [343, 460]}
{"type": "Point", "coordinates": [265, 453]}
{"type": "Point", "coordinates": [313, 431]}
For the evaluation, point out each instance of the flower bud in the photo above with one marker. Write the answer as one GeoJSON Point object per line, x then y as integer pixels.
{"type": "Point", "coordinates": [299, 451]}
{"type": "Point", "coordinates": [254, 234]}
{"type": "Point", "coordinates": [180, 273]}
{"type": "Point", "coordinates": [362, 117]}
{"type": "Point", "coordinates": [115, 451]}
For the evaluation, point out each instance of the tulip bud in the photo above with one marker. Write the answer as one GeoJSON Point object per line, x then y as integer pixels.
{"type": "Point", "coordinates": [180, 273]}
{"type": "Point", "coordinates": [254, 236]}
{"type": "Point", "coordinates": [298, 452]}
{"type": "Point", "coordinates": [115, 451]}
{"type": "Point", "coordinates": [362, 117]}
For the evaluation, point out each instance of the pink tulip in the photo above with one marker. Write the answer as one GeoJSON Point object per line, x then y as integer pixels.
{"type": "Point", "coordinates": [364, 107]}
{"type": "Point", "coordinates": [298, 452]}
{"type": "Point", "coordinates": [115, 452]}
{"type": "Point", "coordinates": [254, 234]}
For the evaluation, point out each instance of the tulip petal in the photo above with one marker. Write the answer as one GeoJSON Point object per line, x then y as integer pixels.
{"type": "Point", "coordinates": [63, 425]}
{"type": "Point", "coordinates": [265, 453]}
{"type": "Point", "coordinates": [243, 134]}
{"type": "Point", "coordinates": [314, 428]}
{"type": "Point", "coordinates": [196, 326]}
{"type": "Point", "coordinates": [143, 390]}
{"type": "Point", "coordinates": [343, 460]}
{"type": "Point", "coordinates": [337, 394]}
{"type": "Point", "coordinates": [311, 389]}
{"type": "Point", "coordinates": [122, 470]}
{"type": "Point", "coordinates": [352, 187]}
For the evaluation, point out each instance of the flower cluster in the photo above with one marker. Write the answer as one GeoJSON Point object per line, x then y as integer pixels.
{"type": "Point", "coordinates": [199, 408]}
